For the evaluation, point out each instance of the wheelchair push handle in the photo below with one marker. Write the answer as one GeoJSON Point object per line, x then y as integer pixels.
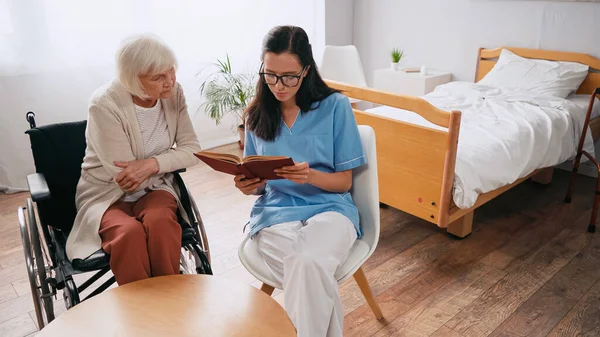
{"type": "Point", "coordinates": [30, 117]}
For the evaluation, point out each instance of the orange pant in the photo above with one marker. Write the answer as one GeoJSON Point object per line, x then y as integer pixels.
{"type": "Point", "coordinates": [143, 238]}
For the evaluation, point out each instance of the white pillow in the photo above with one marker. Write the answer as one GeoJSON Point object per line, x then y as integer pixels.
{"type": "Point", "coordinates": [554, 78]}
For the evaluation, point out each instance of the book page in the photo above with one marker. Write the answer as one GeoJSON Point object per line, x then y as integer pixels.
{"type": "Point", "coordinates": [262, 158]}
{"type": "Point", "coordinates": [226, 157]}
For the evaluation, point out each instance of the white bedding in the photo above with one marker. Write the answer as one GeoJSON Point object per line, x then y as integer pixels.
{"type": "Point", "coordinates": [504, 134]}
{"type": "Point", "coordinates": [583, 101]}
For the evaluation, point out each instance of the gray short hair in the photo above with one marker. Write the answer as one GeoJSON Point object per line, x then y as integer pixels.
{"type": "Point", "coordinates": [144, 54]}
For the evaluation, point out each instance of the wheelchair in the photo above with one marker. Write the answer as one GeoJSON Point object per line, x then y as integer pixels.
{"type": "Point", "coordinates": [58, 151]}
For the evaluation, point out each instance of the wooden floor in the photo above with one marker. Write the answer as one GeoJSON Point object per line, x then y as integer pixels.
{"type": "Point", "coordinates": [528, 269]}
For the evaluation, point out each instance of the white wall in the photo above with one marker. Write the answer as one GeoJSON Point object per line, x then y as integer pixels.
{"type": "Point", "coordinates": [339, 22]}
{"type": "Point", "coordinates": [445, 34]}
{"type": "Point", "coordinates": [53, 56]}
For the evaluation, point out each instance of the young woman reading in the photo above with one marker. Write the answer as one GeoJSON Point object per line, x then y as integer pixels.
{"type": "Point", "coordinates": [306, 223]}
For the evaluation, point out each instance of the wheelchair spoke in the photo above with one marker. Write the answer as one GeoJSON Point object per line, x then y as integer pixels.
{"type": "Point", "coordinates": [30, 266]}
{"type": "Point", "coordinates": [70, 294]}
{"type": "Point", "coordinates": [44, 295]}
{"type": "Point", "coordinates": [187, 261]}
{"type": "Point", "coordinates": [202, 237]}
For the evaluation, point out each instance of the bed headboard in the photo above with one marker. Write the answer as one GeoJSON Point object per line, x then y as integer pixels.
{"type": "Point", "coordinates": [486, 59]}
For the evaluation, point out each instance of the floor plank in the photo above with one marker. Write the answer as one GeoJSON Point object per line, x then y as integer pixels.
{"type": "Point", "coordinates": [445, 259]}
{"type": "Point", "coordinates": [401, 269]}
{"type": "Point", "coordinates": [7, 292]}
{"type": "Point", "coordinates": [489, 311]}
{"type": "Point", "coordinates": [12, 274]}
{"type": "Point", "coordinates": [22, 286]}
{"type": "Point", "coordinates": [398, 234]}
{"type": "Point", "coordinates": [16, 307]}
{"type": "Point", "coordinates": [530, 237]}
{"type": "Point", "coordinates": [18, 326]}
{"type": "Point", "coordinates": [536, 316]}
{"type": "Point", "coordinates": [434, 311]}
{"type": "Point", "coordinates": [12, 257]}
{"type": "Point", "coordinates": [544, 309]}
{"type": "Point", "coordinates": [583, 319]}
{"type": "Point", "coordinates": [575, 279]}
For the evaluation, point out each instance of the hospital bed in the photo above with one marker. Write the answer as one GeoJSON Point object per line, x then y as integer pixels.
{"type": "Point", "coordinates": [443, 155]}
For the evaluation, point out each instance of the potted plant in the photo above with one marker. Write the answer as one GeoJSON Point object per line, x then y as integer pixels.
{"type": "Point", "coordinates": [226, 92]}
{"type": "Point", "coordinates": [396, 56]}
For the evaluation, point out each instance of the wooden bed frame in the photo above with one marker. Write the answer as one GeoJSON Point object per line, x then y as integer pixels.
{"type": "Point", "coordinates": [416, 164]}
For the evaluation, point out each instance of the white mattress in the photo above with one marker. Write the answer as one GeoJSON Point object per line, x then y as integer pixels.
{"type": "Point", "coordinates": [504, 135]}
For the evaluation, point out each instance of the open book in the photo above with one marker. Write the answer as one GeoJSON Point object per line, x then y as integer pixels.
{"type": "Point", "coordinates": [262, 167]}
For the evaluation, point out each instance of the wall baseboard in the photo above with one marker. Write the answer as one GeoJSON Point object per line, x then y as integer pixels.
{"type": "Point", "coordinates": [11, 190]}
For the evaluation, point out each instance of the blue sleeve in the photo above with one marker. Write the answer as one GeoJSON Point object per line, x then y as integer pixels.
{"type": "Point", "coordinates": [249, 146]}
{"type": "Point", "coordinates": [347, 147]}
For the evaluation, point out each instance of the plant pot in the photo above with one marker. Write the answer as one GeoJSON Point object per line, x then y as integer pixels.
{"type": "Point", "coordinates": [242, 134]}
{"type": "Point", "coordinates": [395, 66]}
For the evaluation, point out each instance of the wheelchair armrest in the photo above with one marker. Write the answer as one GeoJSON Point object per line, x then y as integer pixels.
{"type": "Point", "coordinates": [179, 171]}
{"type": "Point", "coordinates": [38, 188]}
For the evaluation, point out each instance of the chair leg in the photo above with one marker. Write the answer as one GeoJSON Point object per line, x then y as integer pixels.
{"type": "Point", "coordinates": [365, 288]}
{"type": "Point", "coordinates": [267, 289]}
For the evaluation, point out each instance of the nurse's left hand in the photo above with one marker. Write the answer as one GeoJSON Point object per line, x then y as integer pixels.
{"type": "Point", "coordinates": [299, 173]}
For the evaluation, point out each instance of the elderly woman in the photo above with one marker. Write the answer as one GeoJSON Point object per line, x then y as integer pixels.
{"type": "Point", "coordinates": [126, 200]}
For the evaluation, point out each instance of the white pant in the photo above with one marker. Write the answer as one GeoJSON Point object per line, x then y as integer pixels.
{"type": "Point", "coordinates": [303, 256]}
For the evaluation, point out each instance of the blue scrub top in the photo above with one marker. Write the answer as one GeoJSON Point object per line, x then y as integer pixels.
{"type": "Point", "coordinates": [327, 138]}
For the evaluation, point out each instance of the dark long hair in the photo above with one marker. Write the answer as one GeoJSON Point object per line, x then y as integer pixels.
{"type": "Point", "coordinates": [263, 113]}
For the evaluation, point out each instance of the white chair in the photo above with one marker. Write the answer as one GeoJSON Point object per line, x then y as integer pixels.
{"type": "Point", "coordinates": [365, 192]}
{"type": "Point", "coordinates": [342, 64]}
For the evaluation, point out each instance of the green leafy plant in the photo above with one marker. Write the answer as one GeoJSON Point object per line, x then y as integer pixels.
{"type": "Point", "coordinates": [226, 92]}
{"type": "Point", "coordinates": [396, 55]}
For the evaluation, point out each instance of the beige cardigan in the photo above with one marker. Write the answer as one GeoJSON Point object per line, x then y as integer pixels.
{"type": "Point", "coordinates": [113, 134]}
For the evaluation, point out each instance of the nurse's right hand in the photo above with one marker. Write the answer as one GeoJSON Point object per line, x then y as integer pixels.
{"type": "Point", "coordinates": [248, 186]}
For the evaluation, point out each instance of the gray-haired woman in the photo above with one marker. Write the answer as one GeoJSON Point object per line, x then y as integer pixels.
{"type": "Point", "coordinates": [126, 200]}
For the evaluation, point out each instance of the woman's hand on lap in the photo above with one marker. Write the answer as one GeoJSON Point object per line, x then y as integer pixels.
{"type": "Point", "coordinates": [135, 173]}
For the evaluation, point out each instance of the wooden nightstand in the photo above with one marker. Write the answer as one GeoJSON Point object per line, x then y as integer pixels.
{"type": "Point", "coordinates": [411, 84]}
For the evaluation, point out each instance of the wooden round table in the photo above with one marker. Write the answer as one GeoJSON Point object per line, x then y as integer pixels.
{"type": "Point", "coordinates": [178, 305]}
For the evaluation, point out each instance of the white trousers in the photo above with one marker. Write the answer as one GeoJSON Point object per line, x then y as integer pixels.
{"type": "Point", "coordinates": [303, 256]}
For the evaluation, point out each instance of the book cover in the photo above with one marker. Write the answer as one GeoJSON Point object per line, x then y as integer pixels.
{"type": "Point", "coordinates": [262, 167]}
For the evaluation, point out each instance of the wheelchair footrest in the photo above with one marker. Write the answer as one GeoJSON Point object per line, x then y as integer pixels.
{"type": "Point", "coordinates": [187, 234]}
{"type": "Point", "coordinates": [97, 260]}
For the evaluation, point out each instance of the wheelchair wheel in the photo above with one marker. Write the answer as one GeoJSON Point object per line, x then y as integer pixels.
{"type": "Point", "coordinates": [38, 270]}
{"type": "Point", "coordinates": [70, 293]}
{"type": "Point", "coordinates": [202, 237]}
{"type": "Point", "coordinates": [187, 262]}
{"type": "Point", "coordinates": [194, 261]}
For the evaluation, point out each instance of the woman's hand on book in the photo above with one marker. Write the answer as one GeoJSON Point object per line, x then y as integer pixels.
{"type": "Point", "coordinates": [299, 173]}
{"type": "Point", "coordinates": [248, 186]}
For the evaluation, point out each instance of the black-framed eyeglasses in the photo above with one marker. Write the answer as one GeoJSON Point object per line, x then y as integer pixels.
{"type": "Point", "coordinates": [286, 80]}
